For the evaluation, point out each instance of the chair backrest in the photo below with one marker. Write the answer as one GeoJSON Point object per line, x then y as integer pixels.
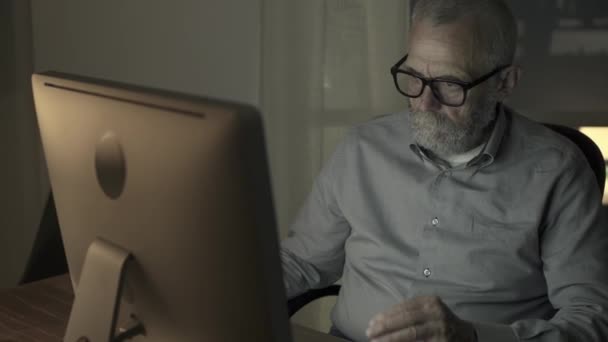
{"type": "Point", "coordinates": [589, 149]}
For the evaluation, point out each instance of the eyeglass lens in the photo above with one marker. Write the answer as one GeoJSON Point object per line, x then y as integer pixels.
{"type": "Point", "coordinates": [449, 93]}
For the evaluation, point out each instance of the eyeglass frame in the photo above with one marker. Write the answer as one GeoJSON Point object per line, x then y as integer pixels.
{"type": "Point", "coordinates": [395, 69]}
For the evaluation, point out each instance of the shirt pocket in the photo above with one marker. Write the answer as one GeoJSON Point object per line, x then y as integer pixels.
{"type": "Point", "coordinates": [506, 231]}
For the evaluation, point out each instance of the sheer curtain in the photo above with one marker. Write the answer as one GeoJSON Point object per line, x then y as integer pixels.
{"type": "Point", "coordinates": [325, 66]}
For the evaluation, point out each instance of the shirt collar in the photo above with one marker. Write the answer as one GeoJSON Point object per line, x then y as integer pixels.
{"type": "Point", "coordinates": [423, 153]}
{"type": "Point", "coordinates": [498, 133]}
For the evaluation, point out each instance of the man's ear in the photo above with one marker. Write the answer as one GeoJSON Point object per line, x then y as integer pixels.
{"type": "Point", "coordinates": [508, 80]}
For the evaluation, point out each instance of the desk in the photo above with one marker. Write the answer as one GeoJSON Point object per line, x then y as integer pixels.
{"type": "Point", "coordinates": [36, 312]}
{"type": "Point", "coordinates": [39, 312]}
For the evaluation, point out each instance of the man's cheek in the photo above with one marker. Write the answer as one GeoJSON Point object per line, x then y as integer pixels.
{"type": "Point", "coordinates": [456, 116]}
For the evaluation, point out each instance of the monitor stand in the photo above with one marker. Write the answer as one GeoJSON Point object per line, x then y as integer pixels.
{"type": "Point", "coordinates": [97, 297]}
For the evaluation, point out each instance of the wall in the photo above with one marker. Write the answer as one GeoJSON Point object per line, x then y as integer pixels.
{"type": "Point", "coordinates": [563, 49]}
{"type": "Point", "coordinates": [201, 47]}
{"type": "Point", "coordinates": [22, 173]}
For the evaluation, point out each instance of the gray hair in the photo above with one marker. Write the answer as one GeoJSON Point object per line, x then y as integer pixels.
{"type": "Point", "coordinates": [495, 28]}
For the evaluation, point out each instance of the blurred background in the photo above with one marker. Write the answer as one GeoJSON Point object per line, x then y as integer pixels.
{"type": "Point", "coordinates": [313, 67]}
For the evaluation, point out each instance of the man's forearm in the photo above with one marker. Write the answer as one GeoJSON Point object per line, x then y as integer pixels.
{"type": "Point", "coordinates": [298, 275]}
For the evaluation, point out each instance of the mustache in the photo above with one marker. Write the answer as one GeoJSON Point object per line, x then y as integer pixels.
{"type": "Point", "coordinates": [438, 119]}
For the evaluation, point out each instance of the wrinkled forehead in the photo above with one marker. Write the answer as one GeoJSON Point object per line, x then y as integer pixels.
{"type": "Point", "coordinates": [438, 50]}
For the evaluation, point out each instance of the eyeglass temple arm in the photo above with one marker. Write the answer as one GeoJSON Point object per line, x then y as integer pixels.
{"type": "Point", "coordinates": [398, 64]}
{"type": "Point", "coordinates": [486, 76]}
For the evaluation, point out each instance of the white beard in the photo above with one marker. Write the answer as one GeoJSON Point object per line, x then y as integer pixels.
{"type": "Point", "coordinates": [439, 134]}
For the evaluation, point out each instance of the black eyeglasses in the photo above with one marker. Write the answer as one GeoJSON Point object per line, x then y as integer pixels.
{"type": "Point", "coordinates": [451, 93]}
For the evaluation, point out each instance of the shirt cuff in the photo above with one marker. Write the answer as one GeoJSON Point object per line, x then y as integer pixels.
{"type": "Point", "coordinates": [492, 332]}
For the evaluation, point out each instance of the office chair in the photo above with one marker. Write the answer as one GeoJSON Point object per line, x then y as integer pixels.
{"type": "Point", "coordinates": [585, 144]}
{"type": "Point", "coordinates": [589, 148]}
{"type": "Point", "coordinates": [47, 258]}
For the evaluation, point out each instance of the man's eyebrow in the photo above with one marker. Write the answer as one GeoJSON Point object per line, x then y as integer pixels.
{"type": "Point", "coordinates": [451, 78]}
{"type": "Point", "coordinates": [413, 71]}
{"type": "Point", "coordinates": [446, 77]}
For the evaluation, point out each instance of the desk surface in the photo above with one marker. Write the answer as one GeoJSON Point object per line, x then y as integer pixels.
{"type": "Point", "coordinates": [39, 312]}
{"type": "Point", "coordinates": [36, 312]}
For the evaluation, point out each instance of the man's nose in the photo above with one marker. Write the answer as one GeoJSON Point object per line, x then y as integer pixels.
{"type": "Point", "coordinates": [427, 101]}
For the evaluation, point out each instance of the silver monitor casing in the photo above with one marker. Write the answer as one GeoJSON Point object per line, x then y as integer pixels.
{"type": "Point", "coordinates": [181, 184]}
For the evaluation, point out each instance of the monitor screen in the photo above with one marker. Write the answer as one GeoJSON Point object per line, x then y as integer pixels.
{"type": "Point", "coordinates": [180, 185]}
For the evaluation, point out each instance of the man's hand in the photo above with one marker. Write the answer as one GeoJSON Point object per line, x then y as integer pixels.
{"type": "Point", "coordinates": [420, 319]}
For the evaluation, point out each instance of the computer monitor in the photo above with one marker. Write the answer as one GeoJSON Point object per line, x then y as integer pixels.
{"type": "Point", "coordinates": [167, 198]}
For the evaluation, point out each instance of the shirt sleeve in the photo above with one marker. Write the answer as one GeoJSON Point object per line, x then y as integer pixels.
{"type": "Point", "coordinates": [313, 254]}
{"type": "Point", "coordinates": [574, 251]}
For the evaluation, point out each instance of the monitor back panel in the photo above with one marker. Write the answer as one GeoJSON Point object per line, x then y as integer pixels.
{"type": "Point", "coordinates": [180, 182]}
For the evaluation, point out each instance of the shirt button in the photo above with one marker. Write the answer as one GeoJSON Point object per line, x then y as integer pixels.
{"type": "Point", "coordinates": [426, 272]}
{"type": "Point", "coordinates": [435, 222]}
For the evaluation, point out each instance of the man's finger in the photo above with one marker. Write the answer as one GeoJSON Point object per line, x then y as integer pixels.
{"type": "Point", "coordinates": [418, 310]}
{"type": "Point", "coordinates": [414, 304]}
{"type": "Point", "coordinates": [398, 320]}
{"type": "Point", "coordinates": [414, 333]}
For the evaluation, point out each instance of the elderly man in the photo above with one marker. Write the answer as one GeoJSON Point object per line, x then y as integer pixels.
{"type": "Point", "coordinates": [459, 220]}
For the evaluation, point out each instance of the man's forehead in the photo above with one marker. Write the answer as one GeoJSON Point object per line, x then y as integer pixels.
{"type": "Point", "coordinates": [436, 67]}
{"type": "Point", "coordinates": [441, 50]}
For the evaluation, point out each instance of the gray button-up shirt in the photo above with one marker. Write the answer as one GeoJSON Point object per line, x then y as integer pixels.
{"type": "Point", "coordinates": [513, 241]}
